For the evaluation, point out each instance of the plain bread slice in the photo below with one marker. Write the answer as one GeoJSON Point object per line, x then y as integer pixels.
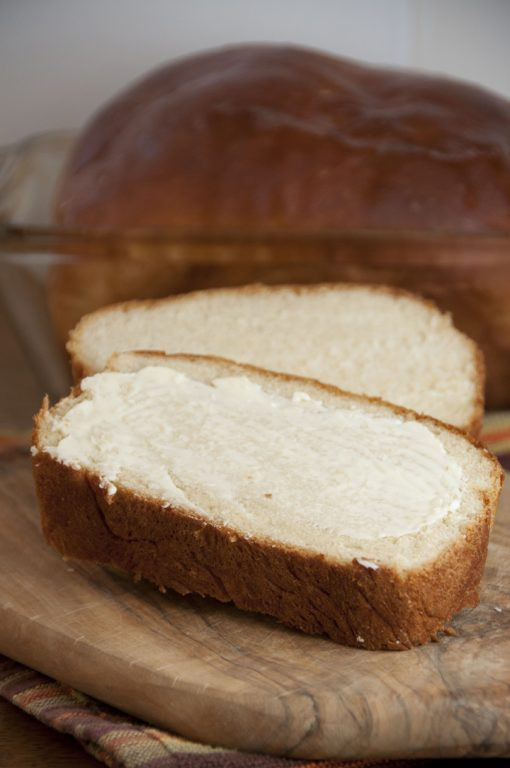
{"type": "Point", "coordinates": [373, 340]}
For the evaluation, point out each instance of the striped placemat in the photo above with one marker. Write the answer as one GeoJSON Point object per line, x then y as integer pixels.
{"type": "Point", "coordinates": [121, 741]}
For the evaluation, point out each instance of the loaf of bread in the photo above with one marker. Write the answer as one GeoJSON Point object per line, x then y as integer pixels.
{"type": "Point", "coordinates": [371, 340]}
{"type": "Point", "coordinates": [264, 136]}
{"type": "Point", "coordinates": [268, 138]}
{"type": "Point", "coordinates": [332, 512]}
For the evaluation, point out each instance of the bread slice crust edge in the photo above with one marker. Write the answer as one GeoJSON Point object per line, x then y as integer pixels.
{"type": "Point", "coordinates": [354, 605]}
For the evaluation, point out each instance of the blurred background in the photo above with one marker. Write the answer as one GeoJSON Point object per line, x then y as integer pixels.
{"type": "Point", "coordinates": [60, 59]}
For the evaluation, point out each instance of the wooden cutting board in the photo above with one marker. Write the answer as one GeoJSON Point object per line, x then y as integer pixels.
{"type": "Point", "coordinates": [215, 674]}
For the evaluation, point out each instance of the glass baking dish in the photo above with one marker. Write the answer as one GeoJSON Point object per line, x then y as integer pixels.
{"type": "Point", "coordinates": [50, 277]}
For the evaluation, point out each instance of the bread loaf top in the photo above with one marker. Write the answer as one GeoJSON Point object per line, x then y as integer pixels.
{"type": "Point", "coordinates": [284, 137]}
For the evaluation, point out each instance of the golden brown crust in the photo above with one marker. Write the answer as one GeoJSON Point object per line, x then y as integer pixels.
{"type": "Point", "coordinates": [328, 145]}
{"type": "Point", "coordinates": [354, 605]}
{"type": "Point", "coordinates": [174, 548]}
{"type": "Point", "coordinates": [325, 142]}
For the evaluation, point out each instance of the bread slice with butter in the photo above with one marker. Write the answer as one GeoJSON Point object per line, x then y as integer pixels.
{"type": "Point", "coordinates": [334, 513]}
{"type": "Point", "coordinates": [376, 341]}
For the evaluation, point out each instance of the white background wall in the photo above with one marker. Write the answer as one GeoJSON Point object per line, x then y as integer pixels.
{"type": "Point", "coordinates": [60, 59]}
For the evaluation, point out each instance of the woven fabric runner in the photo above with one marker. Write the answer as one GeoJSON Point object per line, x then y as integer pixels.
{"type": "Point", "coordinates": [121, 741]}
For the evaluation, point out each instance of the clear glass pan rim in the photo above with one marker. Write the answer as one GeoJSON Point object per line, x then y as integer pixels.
{"type": "Point", "coordinates": [21, 239]}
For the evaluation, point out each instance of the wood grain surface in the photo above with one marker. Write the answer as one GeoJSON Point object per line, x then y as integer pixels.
{"type": "Point", "coordinates": [213, 673]}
